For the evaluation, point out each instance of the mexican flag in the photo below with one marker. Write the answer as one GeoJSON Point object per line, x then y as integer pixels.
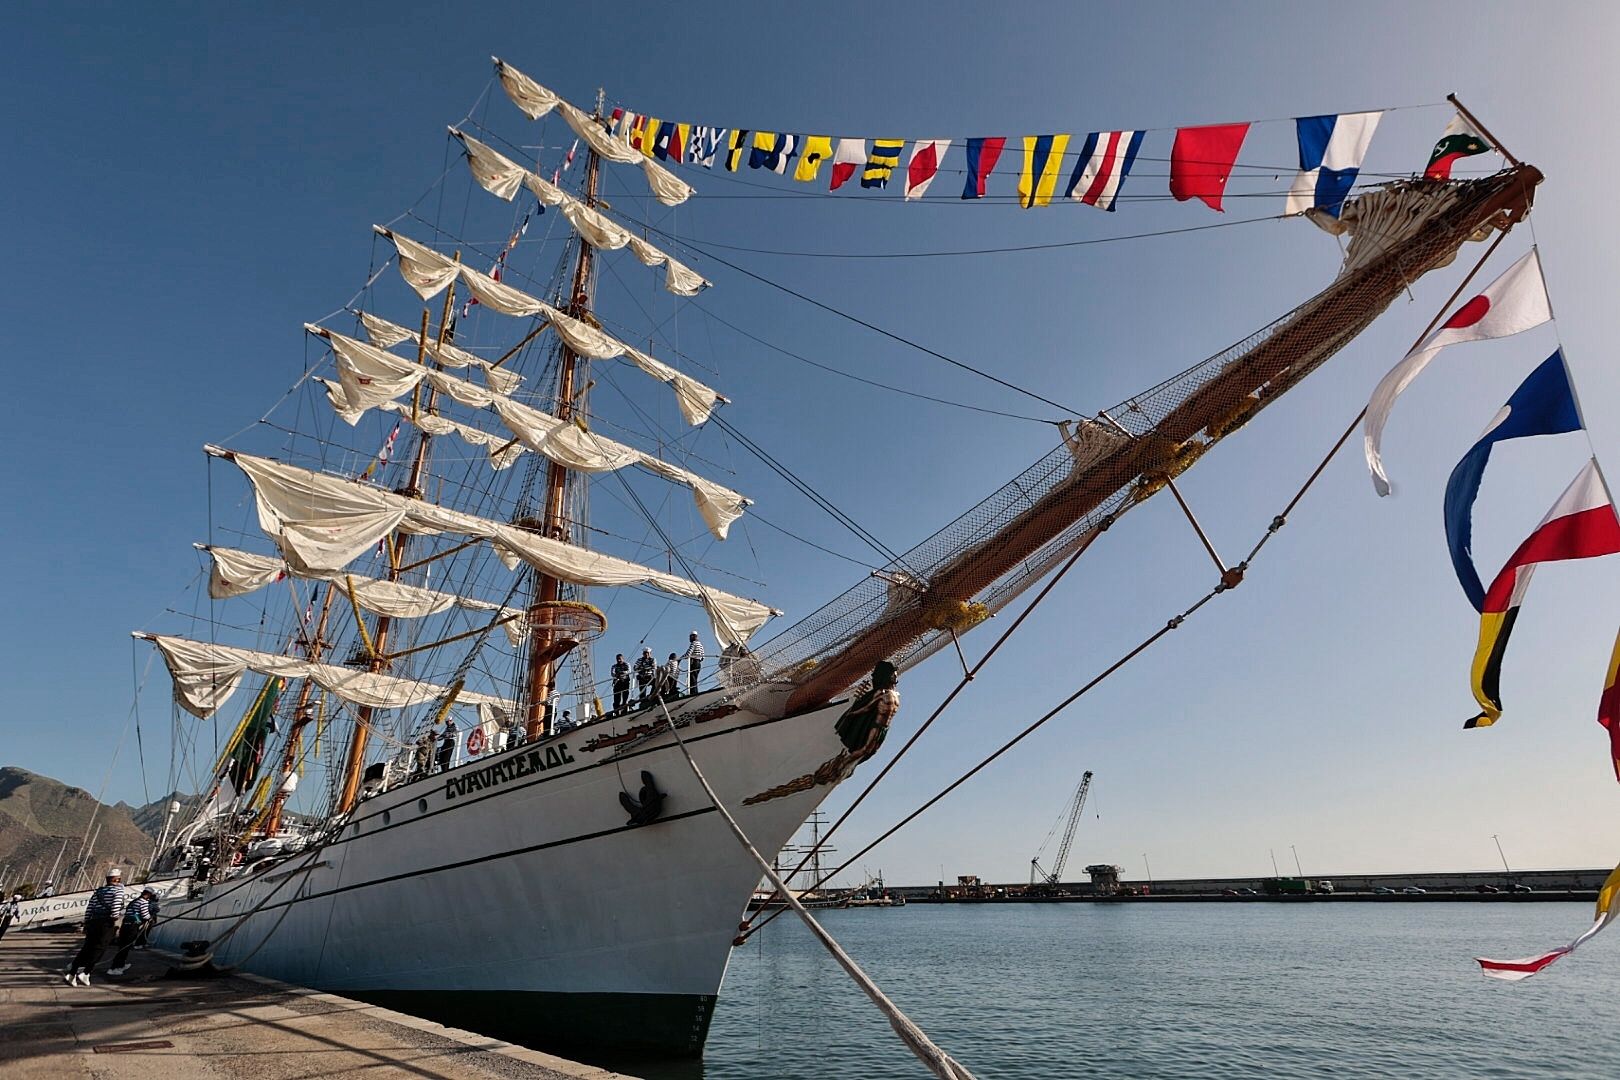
{"type": "Point", "coordinates": [1460, 140]}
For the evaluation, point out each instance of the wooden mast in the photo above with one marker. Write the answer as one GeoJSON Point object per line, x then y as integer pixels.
{"type": "Point", "coordinates": [289, 755]}
{"type": "Point", "coordinates": [542, 680]}
{"type": "Point", "coordinates": [355, 763]}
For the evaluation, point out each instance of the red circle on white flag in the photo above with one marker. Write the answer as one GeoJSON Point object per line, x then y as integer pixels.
{"type": "Point", "coordinates": [1470, 313]}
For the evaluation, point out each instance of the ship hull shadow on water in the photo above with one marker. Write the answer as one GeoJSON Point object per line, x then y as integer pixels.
{"type": "Point", "coordinates": [549, 920]}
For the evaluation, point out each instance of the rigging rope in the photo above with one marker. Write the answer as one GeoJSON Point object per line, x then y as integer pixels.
{"type": "Point", "coordinates": [861, 379]}
{"type": "Point", "coordinates": [989, 251]}
{"type": "Point", "coordinates": [811, 493]}
{"type": "Point", "coordinates": [1229, 580]}
{"type": "Point", "coordinates": [941, 1064]}
{"type": "Point", "coordinates": [857, 320]}
{"type": "Point", "coordinates": [967, 677]}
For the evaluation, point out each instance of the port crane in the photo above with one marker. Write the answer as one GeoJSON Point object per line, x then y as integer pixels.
{"type": "Point", "coordinates": [1041, 880]}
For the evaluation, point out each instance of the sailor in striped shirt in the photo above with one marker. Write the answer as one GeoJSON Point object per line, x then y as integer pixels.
{"type": "Point", "coordinates": [136, 918]}
{"type": "Point", "coordinates": [101, 917]}
{"type": "Point", "coordinates": [694, 662]}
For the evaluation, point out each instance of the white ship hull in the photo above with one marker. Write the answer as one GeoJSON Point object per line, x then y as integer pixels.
{"type": "Point", "coordinates": [510, 895]}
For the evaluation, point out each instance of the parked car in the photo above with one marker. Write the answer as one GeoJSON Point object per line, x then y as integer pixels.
{"type": "Point", "coordinates": [1247, 892]}
{"type": "Point", "coordinates": [1520, 886]}
{"type": "Point", "coordinates": [1383, 890]}
{"type": "Point", "coordinates": [1229, 892]}
{"type": "Point", "coordinates": [1413, 890]}
{"type": "Point", "coordinates": [1487, 889]}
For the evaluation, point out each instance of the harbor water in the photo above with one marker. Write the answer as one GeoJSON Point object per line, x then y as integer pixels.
{"type": "Point", "coordinates": [1043, 991]}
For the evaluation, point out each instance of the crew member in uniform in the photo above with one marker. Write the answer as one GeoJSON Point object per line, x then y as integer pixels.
{"type": "Point", "coordinates": [447, 745]}
{"type": "Point", "coordinates": [646, 669]}
{"type": "Point", "coordinates": [694, 662]}
{"type": "Point", "coordinates": [136, 916]}
{"type": "Point", "coordinates": [101, 916]}
{"type": "Point", "coordinates": [621, 684]}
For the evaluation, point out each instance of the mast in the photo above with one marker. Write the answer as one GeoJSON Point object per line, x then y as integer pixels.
{"type": "Point", "coordinates": [301, 717]}
{"type": "Point", "coordinates": [543, 639]}
{"type": "Point", "coordinates": [355, 762]}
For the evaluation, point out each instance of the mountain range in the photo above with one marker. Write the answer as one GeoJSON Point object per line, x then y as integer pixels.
{"type": "Point", "coordinates": [44, 823]}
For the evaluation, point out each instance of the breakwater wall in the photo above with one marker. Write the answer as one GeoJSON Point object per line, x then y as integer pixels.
{"type": "Point", "coordinates": [1580, 884]}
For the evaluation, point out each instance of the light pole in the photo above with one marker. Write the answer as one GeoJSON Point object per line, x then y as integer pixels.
{"type": "Point", "coordinates": [1297, 868]}
{"type": "Point", "coordinates": [1506, 869]}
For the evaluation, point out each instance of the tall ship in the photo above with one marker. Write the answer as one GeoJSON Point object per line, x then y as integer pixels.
{"type": "Point", "coordinates": [492, 830]}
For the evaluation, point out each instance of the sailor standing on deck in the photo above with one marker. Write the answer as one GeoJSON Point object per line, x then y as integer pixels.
{"type": "Point", "coordinates": [646, 668]}
{"type": "Point", "coordinates": [694, 662]}
{"type": "Point", "coordinates": [621, 684]}
{"type": "Point", "coordinates": [424, 754]}
{"type": "Point", "coordinates": [447, 745]}
{"type": "Point", "coordinates": [669, 678]}
{"type": "Point", "coordinates": [101, 918]}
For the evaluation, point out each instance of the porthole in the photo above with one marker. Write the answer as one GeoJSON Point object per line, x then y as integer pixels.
{"type": "Point", "coordinates": [388, 816]}
{"type": "Point", "coordinates": [421, 805]}
{"type": "Point", "coordinates": [356, 831]}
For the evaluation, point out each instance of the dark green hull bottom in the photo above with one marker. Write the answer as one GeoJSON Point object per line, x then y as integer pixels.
{"type": "Point", "coordinates": [601, 1026]}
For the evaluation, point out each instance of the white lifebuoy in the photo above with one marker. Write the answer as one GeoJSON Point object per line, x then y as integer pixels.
{"type": "Point", "coordinates": [475, 741]}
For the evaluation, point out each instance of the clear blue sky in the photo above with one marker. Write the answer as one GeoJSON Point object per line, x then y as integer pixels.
{"type": "Point", "coordinates": [189, 184]}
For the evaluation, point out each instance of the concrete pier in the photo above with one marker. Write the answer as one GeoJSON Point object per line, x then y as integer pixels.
{"type": "Point", "coordinates": [145, 1027]}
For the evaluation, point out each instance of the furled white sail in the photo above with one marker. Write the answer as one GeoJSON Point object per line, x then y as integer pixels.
{"type": "Point", "coordinates": [574, 448]}
{"type": "Point", "coordinates": [696, 400]}
{"type": "Point", "coordinates": [504, 450]}
{"type": "Point", "coordinates": [536, 101]}
{"type": "Point", "coordinates": [206, 675]}
{"type": "Point", "coordinates": [372, 379]}
{"type": "Point", "coordinates": [323, 522]}
{"type": "Point", "coordinates": [501, 176]}
{"type": "Point", "coordinates": [426, 270]}
{"type": "Point", "coordinates": [386, 335]}
{"type": "Point", "coordinates": [237, 573]}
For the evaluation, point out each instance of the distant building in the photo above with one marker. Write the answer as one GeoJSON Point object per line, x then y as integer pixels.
{"type": "Point", "coordinates": [1104, 878]}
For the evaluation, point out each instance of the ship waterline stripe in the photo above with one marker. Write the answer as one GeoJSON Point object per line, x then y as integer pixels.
{"type": "Point", "coordinates": [423, 872]}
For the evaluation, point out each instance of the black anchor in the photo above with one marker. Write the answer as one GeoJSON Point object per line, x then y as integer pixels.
{"type": "Point", "coordinates": [645, 810]}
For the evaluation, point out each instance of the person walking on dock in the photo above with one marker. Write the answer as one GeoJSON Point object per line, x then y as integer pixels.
{"type": "Point", "coordinates": [10, 912]}
{"type": "Point", "coordinates": [621, 684]}
{"type": "Point", "coordinates": [646, 668]}
{"type": "Point", "coordinates": [101, 916]}
{"type": "Point", "coordinates": [136, 916]}
{"type": "Point", "coordinates": [694, 662]}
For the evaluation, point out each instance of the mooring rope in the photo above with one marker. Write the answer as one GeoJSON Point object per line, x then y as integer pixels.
{"type": "Point", "coordinates": [941, 1064]}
